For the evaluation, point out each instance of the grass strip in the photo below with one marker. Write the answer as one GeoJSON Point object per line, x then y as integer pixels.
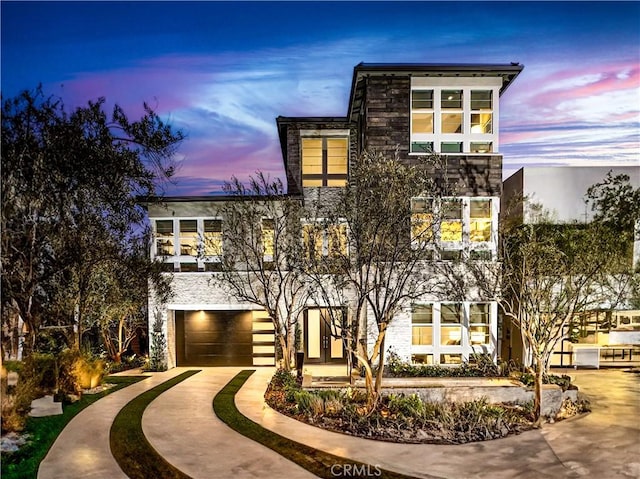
{"type": "Point", "coordinates": [320, 463]}
{"type": "Point", "coordinates": [129, 446]}
{"type": "Point", "coordinates": [43, 431]}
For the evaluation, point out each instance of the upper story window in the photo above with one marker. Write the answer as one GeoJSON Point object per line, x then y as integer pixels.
{"type": "Point", "coordinates": [421, 220]}
{"type": "Point", "coordinates": [451, 111]}
{"type": "Point", "coordinates": [319, 241]}
{"type": "Point", "coordinates": [454, 115]}
{"type": "Point", "coordinates": [164, 238]}
{"type": "Point", "coordinates": [325, 161]}
{"type": "Point", "coordinates": [268, 238]}
{"type": "Point", "coordinates": [480, 220]}
{"type": "Point", "coordinates": [212, 237]}
{"type": "Point", "coordinates": [188, 237]}
{"type": "Point", "coordinates": [451, 224]}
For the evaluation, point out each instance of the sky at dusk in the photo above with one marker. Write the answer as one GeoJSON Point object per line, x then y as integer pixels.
{"type": "Point", "coordinates": [223, 71]}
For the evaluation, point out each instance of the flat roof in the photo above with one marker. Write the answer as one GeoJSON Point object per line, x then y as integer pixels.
{"type": "Point", "coordinates": [508, 72]}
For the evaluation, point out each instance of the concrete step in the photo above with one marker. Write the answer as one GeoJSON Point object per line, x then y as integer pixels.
{"type": "Point", "coordinates": [45, 406]}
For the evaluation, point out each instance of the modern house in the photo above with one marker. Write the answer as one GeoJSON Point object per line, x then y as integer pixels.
{"type": "Point", "coordinates": [560, 192]}
{"type": "Point", "coordinates": [403, 109]}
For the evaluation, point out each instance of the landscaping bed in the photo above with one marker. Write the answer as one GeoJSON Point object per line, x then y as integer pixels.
{"type": "Point", "coordinates": [403, 415]}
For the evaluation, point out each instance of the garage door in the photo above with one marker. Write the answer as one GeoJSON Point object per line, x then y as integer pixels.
{"type": "Point", "coordinates": [214, 338]}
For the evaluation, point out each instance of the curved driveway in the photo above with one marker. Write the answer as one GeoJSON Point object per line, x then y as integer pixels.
{"type": "Point", "coordinates": [181, 425]}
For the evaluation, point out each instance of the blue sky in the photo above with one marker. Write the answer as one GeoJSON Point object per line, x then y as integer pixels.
{"type": "Point", "coordinates": [222, 71]}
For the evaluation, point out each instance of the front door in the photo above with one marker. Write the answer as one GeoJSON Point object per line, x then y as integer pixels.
{"type": "Point", "coordinates": [320, 346]}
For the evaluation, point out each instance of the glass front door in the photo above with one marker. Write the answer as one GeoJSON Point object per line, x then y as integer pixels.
{"type": "Point", "coordinates": [320, 345]}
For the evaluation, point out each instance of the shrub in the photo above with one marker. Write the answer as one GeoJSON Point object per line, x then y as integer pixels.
{"type": "Point", "coordinates": [41, 370]}
{"type": "Point", "coordinates": [78, 371]}
{"type": "Point", "coordinates": [481, 365]}
{"type": "Point", "coordinates": [16, 405]}
{"type": "Point", "coordinates": [529, 379]}
{"type": "Point", "coordinates": [409, 406]}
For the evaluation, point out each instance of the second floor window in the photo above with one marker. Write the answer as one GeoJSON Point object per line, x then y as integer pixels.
{"type": "Point", "coordinates": [451, 224]}
{"type": "Point", "coordinates": [421, 220]}
{"type": "Point", "coordinates": [164, 238]}
{"type": "Point", "coordinates": [268, 238]}
{"type": "Point", "coordinates": [480, 226]}
{"type": "Point", "coordinates": [188, 237]}
{"type": "Point", "coordinates": [319, 241]}
{"type": "Point", "coordinates": [212, 237]}
{"type": "Point", "coordinates": [325, 161]}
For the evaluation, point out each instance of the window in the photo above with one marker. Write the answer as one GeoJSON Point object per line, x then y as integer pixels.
{"type": "Point", "coordinates": [451, 224]}
{"type": "Point", "coordinates": [319, 242]}
{"type": "Point", "coordinates": [422, 358]}
{"type": "Point", "coordinates": [481, 100]}
{"type": "Point", "coordinates": [188, 237]}
{"type": "Point", "coordinates": [480, 255]}
{"type": "Point", "coordinates": [164, 238]}
{"type": "Point", "coordinates": [479, 324]}
{"type": "Point", "coordinates": [422, 111]}
{"type": "Point", "coordinates": [450, 324]}
{"type": "Point", "coordinates": [481, 147]}
{"type": "Point", "coordinates": [451, 147]}
{"type": "Point", "coordinates": [421, 147]}
{"type": "Point", "coordinates": [337, 241]}
{"type": "Point", "coordinates": [481, 111]}
{"type": "Point", "coordinates": [268, 238]}
{"type": "Point", "coordinates": [212, 237]}
{"type": "Point", "coordinates": [480, 226]}
{"type": "Point", "coordinates": [450, 255]}
{"type": "Point", "coordinates": [324, 161]}
{"type": "Point", "coordinates": [422, 325]}
{"type": "Point", "coordinates": [451, 100]}
{"type": "Point", "coordinates": [421, 220]}
{"type": "Point", "coordinates": [312, 238]}
{"type": "Point", "coordinates": [456, 118]}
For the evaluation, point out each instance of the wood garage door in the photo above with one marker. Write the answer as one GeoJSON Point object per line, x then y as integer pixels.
{"type": "Point", "coordinates": [213, 338]}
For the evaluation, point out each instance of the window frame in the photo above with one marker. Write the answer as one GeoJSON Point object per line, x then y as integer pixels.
{"type": "Point", "coordinates": [325, 177]}
{"type": "Point", "coordinates": [470, 103]}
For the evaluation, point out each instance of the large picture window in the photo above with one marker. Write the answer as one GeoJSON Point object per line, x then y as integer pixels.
{"type": "Point", "coordinates": [453, 119]}
{"type": "Point", "coordinates": [325, 161]}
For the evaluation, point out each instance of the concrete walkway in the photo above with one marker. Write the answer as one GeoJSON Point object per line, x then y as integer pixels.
{"type": "Point", "coordinates": [181, 425]}
{"type": "Point", "coordinates": [82, 449]}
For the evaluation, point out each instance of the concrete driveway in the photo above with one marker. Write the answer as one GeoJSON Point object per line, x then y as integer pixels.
{"type": "Point", "coordinates": [181, 425]}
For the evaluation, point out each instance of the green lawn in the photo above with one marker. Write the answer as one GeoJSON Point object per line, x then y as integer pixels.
{"type": "Point", "coordinates": [129, 446]}
{"type": "Point", "coordinates": [320, 463]}
{"type": "Point", "coordinates": [43, 431]}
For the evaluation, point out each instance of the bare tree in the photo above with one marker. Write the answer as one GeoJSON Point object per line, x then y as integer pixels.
{"type": "Point", "coordinates": [548, 273]}
{"type": "Point", "coordinates": [261, 254]}
{"type": "Point", "coordinates": [384, 264]}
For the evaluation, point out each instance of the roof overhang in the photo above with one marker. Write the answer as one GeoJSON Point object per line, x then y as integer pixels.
{"type": "Point", "coordinates": [508, 72]}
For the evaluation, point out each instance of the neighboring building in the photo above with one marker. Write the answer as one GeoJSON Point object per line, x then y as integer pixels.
{"type": "Point", "coordinates": [561, 192]}
{"type": "Point", "coordinates": [410, 109]}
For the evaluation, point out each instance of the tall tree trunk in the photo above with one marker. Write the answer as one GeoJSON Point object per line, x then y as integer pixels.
{"type": "Point", "coordinates": [537, 403]}
{"type": "Point", "coordinates": [380, 364]}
